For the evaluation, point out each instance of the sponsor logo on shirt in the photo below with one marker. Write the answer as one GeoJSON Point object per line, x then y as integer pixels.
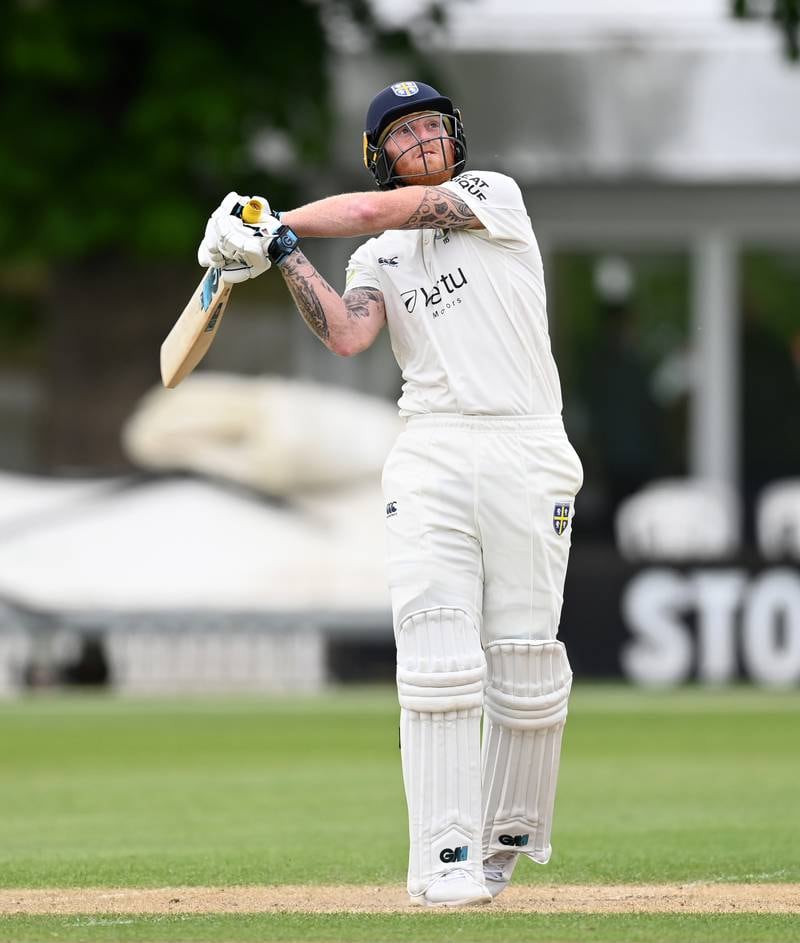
{"type": "Point", "coordinates": [473, 184]}
{"type": "Point", "coordinates": [441, 296]}
{"type": "Point", "coordinates": [410, 300]}
{"type": "Point", "coordinates": [391, 509]}
{"type": "Point", "coordinates": [391, 260]}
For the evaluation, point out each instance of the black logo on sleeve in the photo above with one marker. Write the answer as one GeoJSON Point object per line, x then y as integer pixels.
{"type": "Point", "coordinates": [474, 185]}
{"type": "Point", "coordinates": [388, 260]}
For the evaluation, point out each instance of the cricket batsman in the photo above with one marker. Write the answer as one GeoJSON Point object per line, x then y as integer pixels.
{"type": "Point", "coordinates": [480, 486]}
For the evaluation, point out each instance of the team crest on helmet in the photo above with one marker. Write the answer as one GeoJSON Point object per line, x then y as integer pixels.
{"type": "Point", "coordinates": [405, 89]}
{"type": "Point", "coordinates": [561, 517]}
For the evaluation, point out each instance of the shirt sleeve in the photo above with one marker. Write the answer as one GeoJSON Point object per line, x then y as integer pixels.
{"type": "Point", "coordinates": [360, 270]}
{"type": "Point", "coordinates": [497, 202]}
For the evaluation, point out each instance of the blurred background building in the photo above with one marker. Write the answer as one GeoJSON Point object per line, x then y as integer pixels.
{"type": "Point", "coordinates": [658, 149]}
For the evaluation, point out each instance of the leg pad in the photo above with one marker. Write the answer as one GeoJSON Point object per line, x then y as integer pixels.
{"type": "Point", "coordinates": [440, 677]}
{"type": "Point", "coordinates": [526, 708]}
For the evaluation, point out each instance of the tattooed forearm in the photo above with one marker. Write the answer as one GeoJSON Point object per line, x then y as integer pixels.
{"type": "Point", "coordinates": [306, 287]}
{"type": "Point", "coordinates": [346, 325]}
{"type": "Point", "coordinates": [439, 210]}
{"type": "Point", "coordinates": [363, 302]}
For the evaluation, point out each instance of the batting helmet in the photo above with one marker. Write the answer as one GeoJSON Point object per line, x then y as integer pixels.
{"type": "Point", "coordinates": [392, 103]}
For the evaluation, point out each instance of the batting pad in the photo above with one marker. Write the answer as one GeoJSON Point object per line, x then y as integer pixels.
{"type": "Point", "coordinates": [440, 677]}
{"type": "Point", "coordinates": [525, 711]}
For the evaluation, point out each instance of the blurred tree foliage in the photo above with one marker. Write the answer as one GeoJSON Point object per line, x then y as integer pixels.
{"type": "Point", "coordinates": [125, 121]}
{"type": "Point", "coordinates": [785, 14]}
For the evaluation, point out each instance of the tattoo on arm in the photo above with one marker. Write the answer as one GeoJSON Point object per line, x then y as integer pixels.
{"type": "Point", "coordinates": [362, 302]}
{"type": "Point", "coordinates": [306, 286]}
{"type": "Point", "coordinates": [439, 210]}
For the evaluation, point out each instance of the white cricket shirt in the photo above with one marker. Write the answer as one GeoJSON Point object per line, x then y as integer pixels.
{"type": "Point", "coordinates": [466, 309]}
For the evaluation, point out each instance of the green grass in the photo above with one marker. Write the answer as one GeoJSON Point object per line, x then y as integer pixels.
{"type": "Point", "coordinates": [680, 786]}
{"type": "Point", "coordinates": [420, 928]}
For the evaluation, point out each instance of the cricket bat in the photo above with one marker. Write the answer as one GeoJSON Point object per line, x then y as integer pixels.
{"type": "Point", "coordinates": [192, 334]}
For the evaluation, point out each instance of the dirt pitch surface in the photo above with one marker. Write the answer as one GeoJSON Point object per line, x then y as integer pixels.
{"type": "Point", "coordinates": [696, 898]}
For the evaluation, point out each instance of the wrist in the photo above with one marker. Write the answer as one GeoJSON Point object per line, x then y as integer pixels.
{"type": "Point", "coordinates": [283, 243]}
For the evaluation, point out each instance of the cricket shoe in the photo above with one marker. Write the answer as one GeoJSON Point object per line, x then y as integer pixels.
{"type": "Point", "coordinates": [456, 888]}
{"type": "Point", "coordinates": [498, 867]}
{"type": "Point", "coordinates": [497, 870]}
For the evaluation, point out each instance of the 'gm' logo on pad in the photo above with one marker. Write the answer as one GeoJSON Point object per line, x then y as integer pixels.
{"type": "Point", "coordinates": [454, 854]}
{"type": "Point", "coordinates": [517, 840]}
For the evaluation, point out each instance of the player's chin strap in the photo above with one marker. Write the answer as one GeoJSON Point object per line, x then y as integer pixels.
{"type": "Point", "coordinates": [526, 708]}
{"type": "Point", "coordinates": [440, 675]}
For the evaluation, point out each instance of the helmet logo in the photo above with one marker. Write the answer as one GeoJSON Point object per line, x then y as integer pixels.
{"type": "Point", "coordinates": [405, 89]}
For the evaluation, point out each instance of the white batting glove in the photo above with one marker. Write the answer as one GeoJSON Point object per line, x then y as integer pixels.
{"type": "Point", "coordinates": [245, 244]}
{"type": "Point", "coordinates": [236, 246]}
{"type": "Point", "coordinates": [208, 253]}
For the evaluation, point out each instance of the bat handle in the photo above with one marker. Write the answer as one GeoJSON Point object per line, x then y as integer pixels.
{"type": "Point", "coordinates": [251, 212]}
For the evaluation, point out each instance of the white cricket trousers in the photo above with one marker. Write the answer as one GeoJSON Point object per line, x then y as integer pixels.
{"type": "Point", "coordinates": [479, 512]}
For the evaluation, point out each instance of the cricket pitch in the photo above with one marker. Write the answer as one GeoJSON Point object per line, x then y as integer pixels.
{"type": "Point", "coordinates": [694, 898]}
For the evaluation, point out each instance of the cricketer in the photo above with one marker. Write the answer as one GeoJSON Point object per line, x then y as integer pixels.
{"type": "Point", "coordinates": [480, 486]}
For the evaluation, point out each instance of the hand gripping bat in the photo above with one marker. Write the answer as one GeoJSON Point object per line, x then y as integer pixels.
{"type": "Point", "coordinates": [192, 334]}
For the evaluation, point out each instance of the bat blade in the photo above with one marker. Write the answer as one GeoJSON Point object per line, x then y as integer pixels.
{"type": "Point", "coordinates": [192, 334]}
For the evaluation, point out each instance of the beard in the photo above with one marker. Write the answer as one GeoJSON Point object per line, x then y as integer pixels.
{"type": "Point", "coordinates": [428, 171]}
{"type": "Point", "coordinates": [434, 179]}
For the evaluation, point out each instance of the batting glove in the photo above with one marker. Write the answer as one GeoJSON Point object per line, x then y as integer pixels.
{"type": "Point", "coordinates": [236, 246]}
{"type": "Point", "coordinates": [208, 253]}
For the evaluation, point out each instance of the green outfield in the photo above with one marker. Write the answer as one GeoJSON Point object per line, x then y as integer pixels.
{"type": "Point", "coordinates": [690, 786]}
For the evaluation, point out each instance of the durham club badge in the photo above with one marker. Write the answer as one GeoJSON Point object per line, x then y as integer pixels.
{"type": "Point", "coordinates": [561, 517]}
{"type": "Point", "coordinates": [405, 89]}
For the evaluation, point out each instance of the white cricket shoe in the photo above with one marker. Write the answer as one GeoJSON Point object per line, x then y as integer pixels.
{"type": "Point", "coordinates": [497, 870]}
{"type": "Point", "coordinates": [455, 888]}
